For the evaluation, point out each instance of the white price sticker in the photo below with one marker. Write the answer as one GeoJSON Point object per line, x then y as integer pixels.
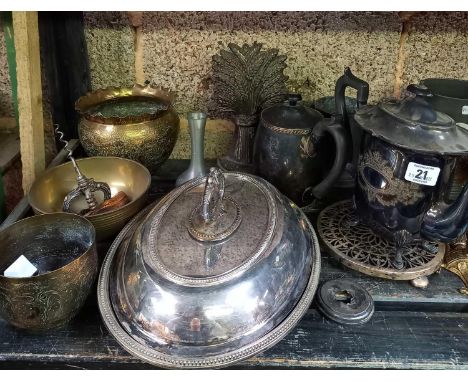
{"type": "Point", "coordinates": [421, 174]}
{"type": "Point", "coordinates": [465, 109]}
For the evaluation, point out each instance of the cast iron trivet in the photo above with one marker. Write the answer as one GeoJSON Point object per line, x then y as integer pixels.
{"type": "Point", "coordinates": [357, 247]}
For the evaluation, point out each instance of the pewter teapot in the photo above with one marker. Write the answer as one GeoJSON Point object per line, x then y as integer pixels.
{"type": "Point", "coordinates": [407, 159]}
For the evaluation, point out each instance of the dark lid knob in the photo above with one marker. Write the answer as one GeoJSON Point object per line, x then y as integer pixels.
{"type": "Point", "coordinates": [419, 90]}
{"type": "Point", "coordinates": [293, 99]}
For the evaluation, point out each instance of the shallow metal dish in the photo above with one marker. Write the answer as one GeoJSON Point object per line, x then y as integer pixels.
{"type": "Point", "coordinates": [177, 293]}
{"type": "Point", "coordinates": [49, 190]}
{"type": "Point", "coordinates": [62, 247]}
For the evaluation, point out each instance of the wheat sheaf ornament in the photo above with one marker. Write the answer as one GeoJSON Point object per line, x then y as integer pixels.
{"type": "Point", "coordinates": [246, 79]}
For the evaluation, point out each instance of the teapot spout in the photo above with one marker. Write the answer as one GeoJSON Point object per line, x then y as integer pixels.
{"type": "Point", "coordinates": [445, 222]}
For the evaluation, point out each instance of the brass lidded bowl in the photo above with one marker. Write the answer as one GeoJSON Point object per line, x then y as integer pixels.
{"type": "Point", "coordinates": [62, 247]}
{"type": "Point", "coordinates": [49, 190]}
{"type": "Point", "coordinates": [222, 268]}
{"type": "Point", "coordinates": [137, 123]}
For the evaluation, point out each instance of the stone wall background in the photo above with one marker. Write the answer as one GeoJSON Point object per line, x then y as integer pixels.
{"type": "Point", "coordinates": [380, 47]}
{"type": "Point", "coordinates": [174, 49]}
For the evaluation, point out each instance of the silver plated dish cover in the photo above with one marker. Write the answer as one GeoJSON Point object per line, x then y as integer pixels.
{"type": "Point", "coordinates": [222, 268]}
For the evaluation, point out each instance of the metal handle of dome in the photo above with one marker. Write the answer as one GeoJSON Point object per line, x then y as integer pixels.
{"type": "Point", "coordinates": [212, 205]}
{"type": "Point", "coordinates": [218, 216]}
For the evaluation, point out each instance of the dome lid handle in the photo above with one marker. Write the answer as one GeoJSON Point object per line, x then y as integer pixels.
{"type": "Point", "coordinates": [218, 216]}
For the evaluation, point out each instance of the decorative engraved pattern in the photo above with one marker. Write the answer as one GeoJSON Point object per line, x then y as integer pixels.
{"type": "Point", "coordinates": [155, 262]}
{"type": "Point", "coordinates": [213, 233]}
{"type": "Point", "coordinates": [48, 300]}
{"type": "Point", "coordinates": [395, 191]}
{"type": "Point", "coordinates": [307, 147]}
{"type": "Point", "coordinates": [359, 248]}
{"type": "Point", "coordinates": [148, 138]}
{"type": "Point", "coordinates": [248, 78]}
{"type": "Point", "coordinates": [456, 261]}
{"type": "Point", "coordinates": [164, 360]}
{"type": "Point", "coordinates": [282, 130]}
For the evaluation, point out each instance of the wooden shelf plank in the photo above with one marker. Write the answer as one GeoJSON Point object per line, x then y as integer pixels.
{"type": "Point", "coordinates": [28, 73]}
{"type": "Point", "coordinates": [394, 339]}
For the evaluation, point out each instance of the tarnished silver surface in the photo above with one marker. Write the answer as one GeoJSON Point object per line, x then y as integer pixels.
{"type": "Point", "coordinates": [175, 301]}
{"type": "Point", "coordinates": [217, 217]}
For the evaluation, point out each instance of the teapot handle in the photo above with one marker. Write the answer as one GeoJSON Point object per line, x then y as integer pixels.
{"type": "Point", "coordinates": [349, 79]}
{"type": "Point", "coordinates": [338, 132]}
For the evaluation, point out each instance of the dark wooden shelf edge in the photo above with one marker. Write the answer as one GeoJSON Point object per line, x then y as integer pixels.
{"type": "Point", "coordinates": [391, 340]}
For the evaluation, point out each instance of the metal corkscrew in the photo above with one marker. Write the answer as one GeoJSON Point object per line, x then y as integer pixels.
{"type": "Point", "coordinates": [86, 186]}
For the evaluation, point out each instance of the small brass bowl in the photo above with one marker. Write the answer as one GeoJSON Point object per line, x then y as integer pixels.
{"type": "Point", "coordinates": [48, 190]}
{"type": "Point", "coordinates": [137, 123]}
{"type": "Point", "coordinates": [62, 247]}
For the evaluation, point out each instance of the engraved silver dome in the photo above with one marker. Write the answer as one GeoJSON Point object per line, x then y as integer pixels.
{"type": "Point", "coordinates": [219, 270]}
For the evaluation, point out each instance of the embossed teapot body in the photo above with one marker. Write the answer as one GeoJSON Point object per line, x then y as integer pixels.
{"type": "Point", "coordinates": [407, 159]}
{"type": "Point", "coordinates": [298, 151]}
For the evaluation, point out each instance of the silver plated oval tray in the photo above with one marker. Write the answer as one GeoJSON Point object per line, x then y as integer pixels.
{"type": "Point", "coordinates": [168, 360]}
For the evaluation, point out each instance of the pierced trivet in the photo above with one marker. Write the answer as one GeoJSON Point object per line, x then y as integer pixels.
{"type": "Point", "coordinates": [357, 247]}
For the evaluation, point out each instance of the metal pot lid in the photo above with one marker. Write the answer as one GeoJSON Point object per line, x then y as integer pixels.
{"type": "Point", "coordinates": [291, 114]}
{"type": "Point", "coordinates": [345, 302]}
{"type": "Point", "coordinates": [242, 228]}
{"type": "Point", "coordinates": [413, 124]}
{"type": "Point", "coordinates": [219, 270]}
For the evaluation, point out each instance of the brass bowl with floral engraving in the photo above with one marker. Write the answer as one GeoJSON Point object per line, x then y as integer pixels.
{"type": "Point", "coordinates": [137, 123]}
{"type": "Point", "coordinates": [62, 247]}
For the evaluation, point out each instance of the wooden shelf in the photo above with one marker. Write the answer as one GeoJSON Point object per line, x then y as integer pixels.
{"type": "Point", "coordinates": [411, 328]}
